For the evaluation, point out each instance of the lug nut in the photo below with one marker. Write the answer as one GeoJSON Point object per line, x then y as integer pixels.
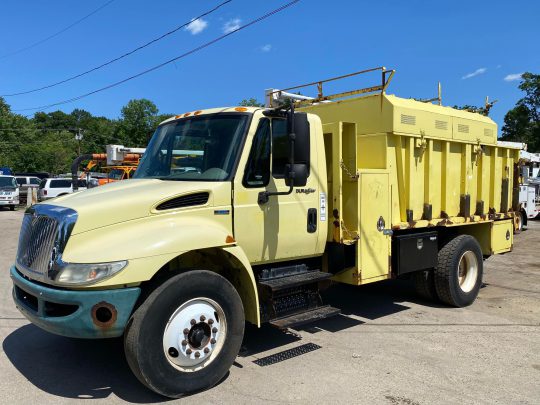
{"type": "Point", "coordinates": [213, 341]}
{"type": "Point", "coordinates": [186, 331]}
{"type": "Point", "coordinates": [197, 354]}
{"type": "Point", "coordinates": [214, 330]}
{"type": "Point", "coordinates": [184, 342]}
{"type": "Point", "coordinates": [210, 321]}
{"type": "Point", "coordinates": [206, 350]}
{"type": "Point", "coordinates": [188, 352]}
{"type": "Point", "coordinates": [193, 322]}
{"type": "Point", "coordinates": [202, 318]}
{"type": "Point", "coordinates": [173, 352]}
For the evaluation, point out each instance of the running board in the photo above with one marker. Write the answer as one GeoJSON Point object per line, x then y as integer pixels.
{"type": "Point", "coordinates": [306, 317]}
{"type": "Point", "coordinates": [296, 280]}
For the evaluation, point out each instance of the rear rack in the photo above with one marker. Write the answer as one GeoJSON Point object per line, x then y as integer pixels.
{"type": "Point", "coordinates": [273, 96]}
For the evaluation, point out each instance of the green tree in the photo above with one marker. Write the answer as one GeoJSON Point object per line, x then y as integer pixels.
{"type": "Point", "coordinates": [252, 102]}
{"type": "Point", "coordinates": [522, 123]}
{"type": "Point", "coordinates": [139, 120]}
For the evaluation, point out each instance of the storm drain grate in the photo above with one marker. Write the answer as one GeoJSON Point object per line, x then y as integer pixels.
{"type": "Point", "coordinates": [286, 354]}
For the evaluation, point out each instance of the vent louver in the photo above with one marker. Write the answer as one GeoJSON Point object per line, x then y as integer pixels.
{"type": "Point", "coordinates": [408, 119]}
{"type": "Point", "coordinates": [488, 132]}
{"type": "Point", "coordinates": [441, 125]}
{"type": "Point", "coordinates": [463, 128]}
{"type": "Point", "coordinates": [184, 201]}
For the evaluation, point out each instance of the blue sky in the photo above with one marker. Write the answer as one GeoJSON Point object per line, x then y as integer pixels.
{"type": "Point", "coordinates": [470, 46]}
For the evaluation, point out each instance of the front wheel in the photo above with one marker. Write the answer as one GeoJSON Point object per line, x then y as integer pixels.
{"type": "Point", "coordinates": [12, 208]}
{"type": "Point", "coordinates": [458, 276]}
{"type": "Point", "coordinates": [186, 334]}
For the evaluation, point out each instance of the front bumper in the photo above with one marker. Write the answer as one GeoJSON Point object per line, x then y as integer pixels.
{"type": "Point", "coordinates": [9, 202]}
{"type": "Point", "coordinates": [90, 314]}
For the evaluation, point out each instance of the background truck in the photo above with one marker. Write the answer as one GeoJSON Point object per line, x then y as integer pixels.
{"type": "Point", "coordinates": [9, 192]}
{"type": "Point", "coordinates": [242, 214]}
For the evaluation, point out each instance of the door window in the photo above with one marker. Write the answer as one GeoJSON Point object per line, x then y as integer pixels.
{"type": "Point", "coordinates": [257, 173]}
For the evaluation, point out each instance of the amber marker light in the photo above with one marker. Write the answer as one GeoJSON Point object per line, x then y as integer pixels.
{"type": "Point", "coordinates": [229, 239]}
{"type": "Point", "coordinates": [197, 112]}
{"type": "Point", "coordinates": [241, 109]}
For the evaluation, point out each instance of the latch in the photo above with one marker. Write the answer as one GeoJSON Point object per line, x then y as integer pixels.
{"type": "Point", "coordinates": [381, 223]}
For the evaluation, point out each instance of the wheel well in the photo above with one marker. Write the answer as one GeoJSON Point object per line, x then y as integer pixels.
{"type": "Point", "coordinates": [212, 259]}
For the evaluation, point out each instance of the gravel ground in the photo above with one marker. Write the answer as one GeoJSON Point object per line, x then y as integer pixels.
{"type": "Point", "coordinates": [387, 347]}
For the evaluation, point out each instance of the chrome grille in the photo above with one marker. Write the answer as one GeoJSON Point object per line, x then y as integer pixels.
{"type": "Point", "coordinates": [36, 241]}
{"type": "Point", "coordinates": [44, 234]}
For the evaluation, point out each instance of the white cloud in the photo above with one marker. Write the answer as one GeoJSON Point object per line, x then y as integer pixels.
{"type": "Point", "coordinates": [475, 73]}
{"type": "Point", "coordinates": [231, 25]}
{"type": "Point", "coordinates": [266, 48]}
{"type": "Point", "coordinates": [512, 77]}
{"type": "Point", "coordinates": [196, 26]}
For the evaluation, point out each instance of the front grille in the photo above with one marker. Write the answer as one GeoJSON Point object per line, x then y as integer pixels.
{"type": "Point", "coordinates": [36, 241]}
{"type": "Point", "coordinates": [44, 234]}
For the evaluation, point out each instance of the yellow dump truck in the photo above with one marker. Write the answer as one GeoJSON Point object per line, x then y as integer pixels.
{"type": "Point", "coordinates": [273, 202]}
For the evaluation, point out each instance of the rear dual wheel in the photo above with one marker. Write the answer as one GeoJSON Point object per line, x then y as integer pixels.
{"type": "Point", "coordinates": [457, 278]}
{"type": "Point", "coordinates": [185, 336]}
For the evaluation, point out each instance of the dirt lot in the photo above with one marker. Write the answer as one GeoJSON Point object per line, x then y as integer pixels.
{"type": "Point", "coordinates": [388, 347]}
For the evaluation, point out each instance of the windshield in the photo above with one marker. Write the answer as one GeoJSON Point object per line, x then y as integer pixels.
{"type": "Point", "coordinates": [8, 182]}
{"type": "Point", "coordinates": [196, 149]}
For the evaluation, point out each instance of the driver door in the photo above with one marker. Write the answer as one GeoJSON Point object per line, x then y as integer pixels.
{"type": "Point", "coordinates": [278, 229]}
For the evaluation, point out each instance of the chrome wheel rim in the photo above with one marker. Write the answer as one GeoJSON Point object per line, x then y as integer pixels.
{"type": "Point", "coordinates": [194, 334]}
{"type": "Point", "coordinates": [467, 271]}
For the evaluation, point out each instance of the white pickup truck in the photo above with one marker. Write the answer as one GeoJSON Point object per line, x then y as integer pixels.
{"type": "Point", "coordinates": [9, 192]}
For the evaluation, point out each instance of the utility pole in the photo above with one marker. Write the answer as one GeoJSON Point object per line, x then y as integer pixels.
{"type": "Point", "coordinates": [78, 138]}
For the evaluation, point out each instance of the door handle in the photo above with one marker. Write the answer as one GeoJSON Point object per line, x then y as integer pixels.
{"type": "Point", "coordinates": [312, 220]}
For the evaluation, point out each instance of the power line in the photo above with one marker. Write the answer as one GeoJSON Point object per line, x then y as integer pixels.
{"type": "Point", "coordinates": [56, 33]}
{"type": "Point", "coordinates": [119, 57]}
{"type": "Point", "coordinates": [192, 51]}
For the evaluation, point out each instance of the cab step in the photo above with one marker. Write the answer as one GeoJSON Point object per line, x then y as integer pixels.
{"type": "Point", "coordinates": [305, 317]}
{"type": "Point", "coordinates": [281, 283]}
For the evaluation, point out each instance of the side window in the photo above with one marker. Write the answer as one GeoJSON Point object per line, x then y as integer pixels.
{"type": "Point", "coordinates": [34, 180]}
{"type": "Point", "coordinates": [60, 183]}
{"type": "Point", "coordinates": [280, 147]}
{"type": "Point", "coordinates": [21, 181]}
{"type": "Point", "coordinates": [257, 173]}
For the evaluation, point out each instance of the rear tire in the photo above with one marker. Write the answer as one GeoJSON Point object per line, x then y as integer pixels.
{"type": "Point", "coordinates": [185, 336]}
{"type": "Point", "coordinates": [424, 284]}
{"type": "Point", "coordinates": [458, 276]}
{"type": "Point", "coordinates": [12, 208]}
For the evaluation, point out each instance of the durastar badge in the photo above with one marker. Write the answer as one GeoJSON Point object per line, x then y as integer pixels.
{"type": "Point", "coordinates": [305, 190]}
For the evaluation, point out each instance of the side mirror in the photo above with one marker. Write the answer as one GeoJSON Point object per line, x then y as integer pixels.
{"type": "Point", "coordinates": [302, 138]}
{"type": "Point", "coordinates": [298, 173]}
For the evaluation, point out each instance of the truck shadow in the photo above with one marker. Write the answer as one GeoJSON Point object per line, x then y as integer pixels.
{"type": "Point", "coordinates": [371, 301]}
{"type": "Point", "coordinates": [75, 368]}
{"type": "Point", "coordinates": [95, 369]}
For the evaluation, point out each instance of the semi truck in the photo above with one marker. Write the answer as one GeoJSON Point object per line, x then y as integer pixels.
{"type": "Point", "coordinates": [272, 203]}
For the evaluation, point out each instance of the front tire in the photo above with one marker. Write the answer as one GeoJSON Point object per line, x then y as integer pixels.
{"type": "Point", "coordinates": [185, 336]}
{"type": "Point", "coordinates": [458, 276]}
{"type": "Point", "coordinates": [12, 208]}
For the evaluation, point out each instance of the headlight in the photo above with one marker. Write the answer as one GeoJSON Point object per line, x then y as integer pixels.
{"type": "Point", "coordinates": [82, 273]}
